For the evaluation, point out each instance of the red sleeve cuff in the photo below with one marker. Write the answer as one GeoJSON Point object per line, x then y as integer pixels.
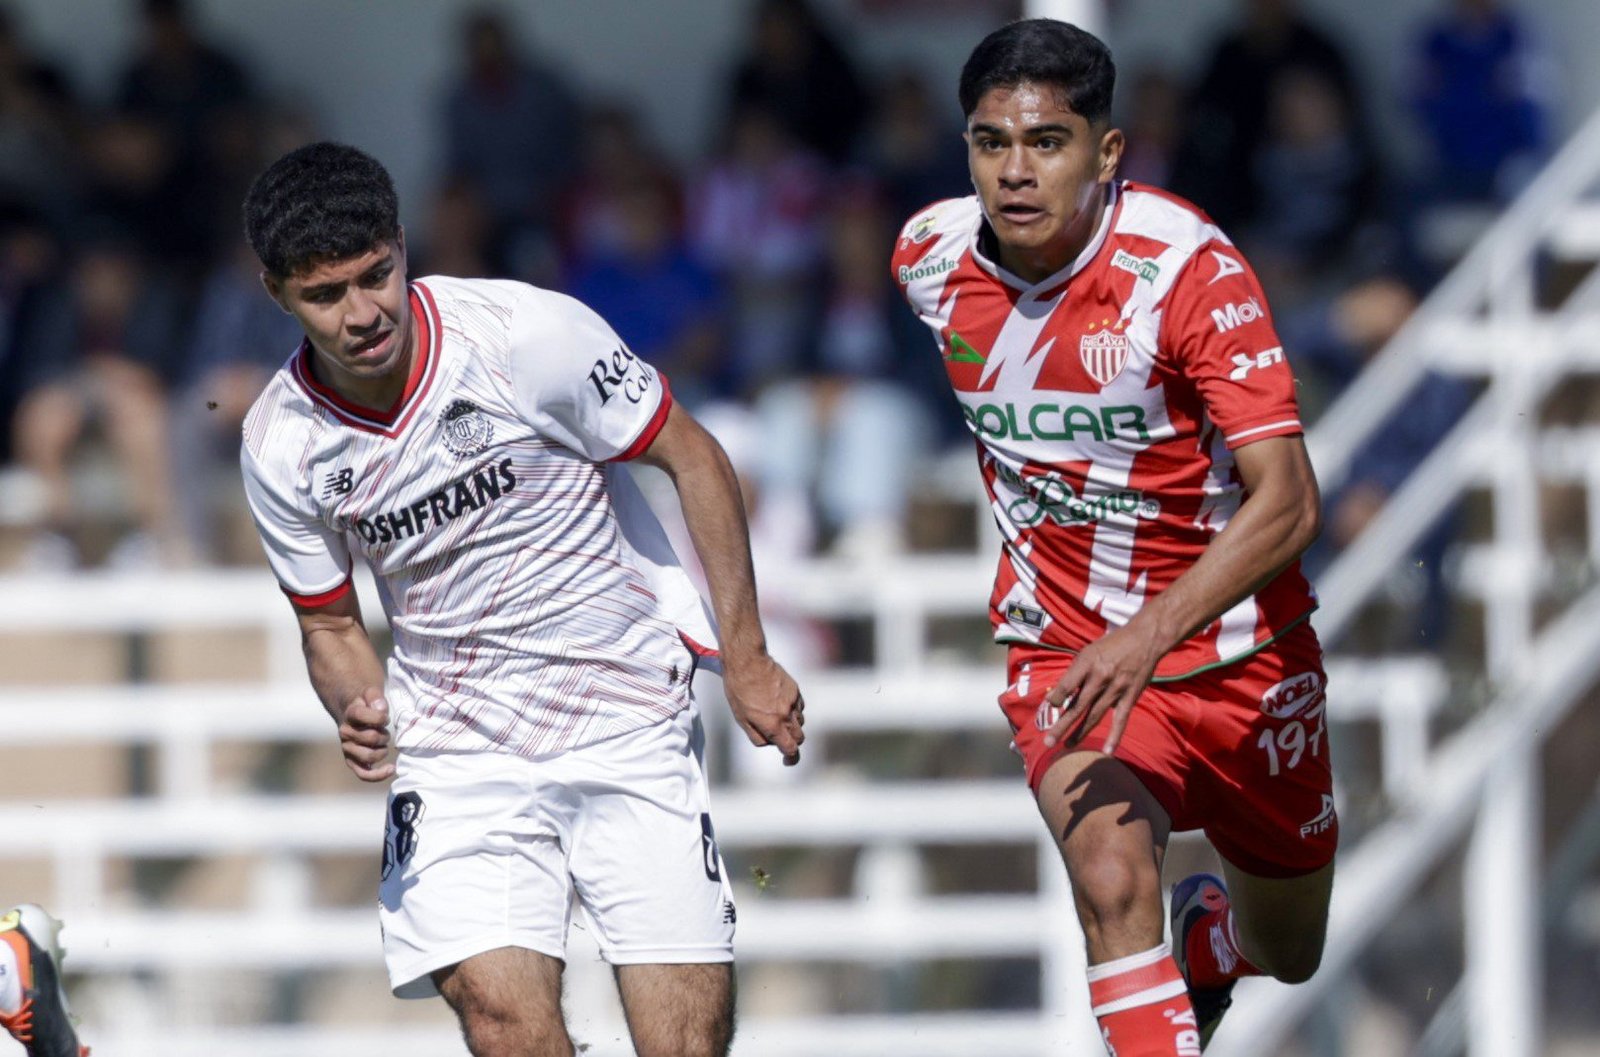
{"type": "Point", "coordinates": [322, 598]}
{"type": "Point", "coordinates": [647, 436]}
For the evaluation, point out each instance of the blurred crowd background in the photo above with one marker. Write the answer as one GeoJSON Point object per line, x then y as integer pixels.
{"type": "Point", "coordinates": [742, 246]}
{"type": "Point", "coordinates": [134, 334]}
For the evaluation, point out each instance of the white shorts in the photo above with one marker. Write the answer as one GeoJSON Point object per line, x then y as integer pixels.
{"type": "Point", "coordinates": [489, 850]}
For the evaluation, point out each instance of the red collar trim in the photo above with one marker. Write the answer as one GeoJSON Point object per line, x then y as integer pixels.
{"type": "Point", "coordinates": [425, 313]}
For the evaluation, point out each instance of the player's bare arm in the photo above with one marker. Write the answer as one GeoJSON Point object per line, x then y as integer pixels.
{"type": "Point", "coordinates": [1278, 520]}
{"type": "Point", "coordinates": [348, 678]}
{"type": "Point", "coordinates": [764, 698]}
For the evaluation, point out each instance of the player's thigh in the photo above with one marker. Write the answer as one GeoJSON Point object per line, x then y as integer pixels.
{"type": "Point", "coordinates": [1263, 776]}
{"type": "Point", "coordinates": [1282, 921]}
{"type": "Point", "coordinates": [1112, 834]}
{"type": "Point", "coordinates": [644, 859]}
{"type": "Point", "coordinates": [473, 862]}
{"type": "Point", "coordinates": [678, 1010]}
{"type": "Point", "coordinates": [508, 1001]}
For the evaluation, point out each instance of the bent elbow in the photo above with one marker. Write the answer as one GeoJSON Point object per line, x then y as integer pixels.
{"type": "Point", "coordinates": [1308, 523]}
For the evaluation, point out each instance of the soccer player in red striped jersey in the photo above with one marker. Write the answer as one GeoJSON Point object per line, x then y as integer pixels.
{"type": "Point", "coordinates": [1140, 442]}
{"type": "Point", "coordinates": [462, 437]}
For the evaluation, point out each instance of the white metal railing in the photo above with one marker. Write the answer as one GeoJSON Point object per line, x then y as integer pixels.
{"type": "Point", "coordinates": [888, 918]}
{"type": "Point", "coordinates": [1482, 321]}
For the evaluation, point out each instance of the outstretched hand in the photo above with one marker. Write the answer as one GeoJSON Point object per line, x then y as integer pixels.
{"type": "Point", "coordinates": [767, 704]}
{"type": "Point", "coordinates": [1109, 674]}
{"type": "Point", "coordinates": [364, 736]}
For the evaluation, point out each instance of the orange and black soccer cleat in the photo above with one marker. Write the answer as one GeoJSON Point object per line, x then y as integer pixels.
{"type": "Point", "coordinates": [33, 1008]}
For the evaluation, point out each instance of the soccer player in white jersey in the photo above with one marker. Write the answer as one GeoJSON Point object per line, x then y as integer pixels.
{"type": "Point", "coordinates": [1138, 435]}
{"type": "Point", "coordinates": [461, 436]}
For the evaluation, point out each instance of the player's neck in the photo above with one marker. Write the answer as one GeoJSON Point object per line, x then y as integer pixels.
{"type": "Point", "coordinates": [375, 393]}
{"type": "Point", "coordinates": [1035, 265]}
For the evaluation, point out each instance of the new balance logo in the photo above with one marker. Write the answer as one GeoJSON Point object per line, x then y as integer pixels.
{"type": "Point", "coordinates": [1236, 315]}
{"type": "Point", "coordinates": [339, 482]}
{"type": "Point", "coordinates": [730, 916]}
{"type": "Point", "coordinates": [1243, 363]}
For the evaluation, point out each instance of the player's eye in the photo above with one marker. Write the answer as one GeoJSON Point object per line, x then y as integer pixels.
{"type": "Point", "coordinates": [1048, 143]}
{"type": "Point", "coordinates": [377, 276]}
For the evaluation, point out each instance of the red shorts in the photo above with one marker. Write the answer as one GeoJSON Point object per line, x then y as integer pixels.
{"type": "Point", "coordinates": [1239, 751]}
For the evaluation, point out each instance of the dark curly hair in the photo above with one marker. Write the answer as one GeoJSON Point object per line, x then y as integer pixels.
{"type": "Point", "coordinates": [320, 202]}
{"type": "Point", "coordinates": [1043, 51]}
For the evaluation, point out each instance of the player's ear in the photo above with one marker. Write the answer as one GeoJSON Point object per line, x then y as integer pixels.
{"type": "Point", "coordinates": [274, 287]}
{"type": "Point", "coordinates": [1111, 144]}
{"type": "Point", "coordinates": [400, 241]}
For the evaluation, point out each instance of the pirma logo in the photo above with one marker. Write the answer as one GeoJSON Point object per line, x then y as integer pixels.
{"type": "Point", "coordinates": [466, 430]}
{"type": "Point", "coordinates": [1323, 822]}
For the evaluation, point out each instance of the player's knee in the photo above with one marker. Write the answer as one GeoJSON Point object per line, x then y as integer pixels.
{"type": "Point", "coordinates": [1109, 889]}
{"type": "Point", "coordinates": [1292, 958]}
{"type": "Point", "coordinates": [507, 1034]}
{"type": "Point", "coordinates": [495, 1028]}
{"type": "Point", "coordinates": [1296, 965]}
{"type": "Point", "coordinates": [707, 1043]}
{"type": "Point", "coordinates": [707, 1035]}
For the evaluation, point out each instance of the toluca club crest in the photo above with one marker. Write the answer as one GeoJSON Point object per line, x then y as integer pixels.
{"type": "Point", "coordinates": [466, 430]}
{"type": "Point", "coordinates": [1104, 350]}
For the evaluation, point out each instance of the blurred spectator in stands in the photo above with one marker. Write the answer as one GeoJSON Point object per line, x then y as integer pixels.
{"type": "Point", "coordinates": [756, 217]}
{"type": "Point", "coordinates": [238, 339]}
{"type": "Point", "coordinates": [39, 122]}
{"type": "Point", "coordinates": [459, 236]}
{"type": "Point", "coordinates": [510, 122]}
{"type": "Point", "coordinates": [799, 71]}
{"type": "Point", "coordinates": [30, 256]}
{"type": "Point", "coordinates": [648, 285]}
{"type": "Point", "coordinates": [616, 155]}
{"type": "Point", "coordinates": [197, 98]}
{"type": "Point", "coordinates": [1229, 108]}
{"type": "Point", "coordinates": [852, 426]}
{"type": "Point", "coordinates": [96, 350]}
{"type": "Point", "coordinates": [1153, 126]}
{"type": "Point", "coordinates": [1318, 184]}
{"type": "Point", "coordinates": [913, 149]}
{"type": "Point", "coordinates": [1481, 97]}
{"type": "Point", "coordinates": [1332, 341]}
{"type": "Point", "coordinates": [134, 186]}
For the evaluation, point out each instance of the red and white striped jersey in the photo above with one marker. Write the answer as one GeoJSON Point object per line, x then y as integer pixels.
{"type": "Point", "coordinates": [1107, 401]}
{"type": "Point", "coordinates": [533, 598]}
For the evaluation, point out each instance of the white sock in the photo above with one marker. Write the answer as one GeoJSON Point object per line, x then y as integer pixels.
{"type": "Point", "coordinates": [10, 980]}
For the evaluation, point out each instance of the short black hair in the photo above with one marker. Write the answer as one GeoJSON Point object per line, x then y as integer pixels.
{"type": "Point", "coordinates": [320, 202]}
{"type": "Point", "coordinates": [1044, 51]}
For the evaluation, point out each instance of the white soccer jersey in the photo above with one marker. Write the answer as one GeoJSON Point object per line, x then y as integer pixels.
{"type": "Point", "coordinates": [533, 598]}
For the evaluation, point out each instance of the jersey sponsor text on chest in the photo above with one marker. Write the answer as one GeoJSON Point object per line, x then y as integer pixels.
{"type": "Point", "coordinates": [1051, 421]}
{"type": "Point", "coordinates": [471, 492]}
